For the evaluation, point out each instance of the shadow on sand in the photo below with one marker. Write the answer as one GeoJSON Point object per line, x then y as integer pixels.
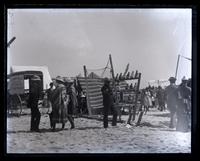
{"type": "Point", "coordinates": [162, 115]}
{"type": "Point", "coordinates": [147, 124]}
{"type": "Point", "coordinates": [50, 130]}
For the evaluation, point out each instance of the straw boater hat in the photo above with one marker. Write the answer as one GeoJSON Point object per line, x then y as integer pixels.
{"type": "Point", "coordinates": [35, 78]}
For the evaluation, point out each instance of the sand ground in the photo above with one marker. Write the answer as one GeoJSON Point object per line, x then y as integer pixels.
{"type": "Point", "coordinates": [89, 136]}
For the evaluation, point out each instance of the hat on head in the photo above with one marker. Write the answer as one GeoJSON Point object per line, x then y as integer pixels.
{"type": "Point", "coordinates": [171, 79]}
{"type": "Point", "coordinates": [59, 79]}
{"type": "Point", "coordinates": [184, 79]}
{"type": "Point", "coordinates": [35, 78]}
{"type": "Point", "coordinates": [68, 80]}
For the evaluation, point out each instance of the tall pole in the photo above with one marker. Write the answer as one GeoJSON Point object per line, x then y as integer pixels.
{"type": "Point", "coordinates": [112, 70]}
{"type": "Point", "coordinates": [177, 65]}
{"type": "Point", "coordinates": [85, 71]}
{"type": "Point", "coordinates": [11, 41]}
{"type": "Point", "coordinates": [87, 93]}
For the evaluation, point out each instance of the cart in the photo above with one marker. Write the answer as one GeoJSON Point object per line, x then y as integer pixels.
{"type": "Point", "coordinates": [18, 90]}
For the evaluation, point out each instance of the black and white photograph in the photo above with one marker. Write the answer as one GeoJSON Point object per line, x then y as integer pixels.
{"type": "Point", "coordinates": [99, 80]}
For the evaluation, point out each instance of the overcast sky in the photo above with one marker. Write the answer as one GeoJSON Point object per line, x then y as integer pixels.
{"type": "Point", "coordinates": [66, 39]}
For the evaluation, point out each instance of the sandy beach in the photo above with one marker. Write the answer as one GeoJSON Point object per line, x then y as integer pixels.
{"type": "Point", "coordinates": [89, 136]}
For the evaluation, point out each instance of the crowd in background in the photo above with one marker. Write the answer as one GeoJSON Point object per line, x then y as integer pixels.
{"type": "Point", "coordinates": [66, 98]}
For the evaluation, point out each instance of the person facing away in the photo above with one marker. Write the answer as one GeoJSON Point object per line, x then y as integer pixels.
{"type": "Point", "coordinates": [59, 104]}
{"type": "Point", "coordinates": [108, 103]}
{"type": "Point", "coordinates": [34, 96]}
{"type": "Point", "coordinates": [171, 100]}
{"type": "Point", "coordinates": [161, 98]}
{"type": "Point", "coordinates": [184, 107]}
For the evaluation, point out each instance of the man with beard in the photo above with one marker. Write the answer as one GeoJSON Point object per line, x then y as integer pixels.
{"type": "Point", "coordinates": [171, 100]}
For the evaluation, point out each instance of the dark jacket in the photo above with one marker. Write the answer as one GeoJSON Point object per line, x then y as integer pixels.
{"type": "Point", "coordinates": [107, 95]}
{"type": "Point", "coordinates": [34, 94]}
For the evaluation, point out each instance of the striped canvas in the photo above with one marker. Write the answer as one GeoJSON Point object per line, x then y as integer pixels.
{"type": "Point", "coordinates": [95, 97]}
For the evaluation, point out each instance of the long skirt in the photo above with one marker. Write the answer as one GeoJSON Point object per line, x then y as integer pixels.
{"type": "Point", "coordinates": [59, 114]}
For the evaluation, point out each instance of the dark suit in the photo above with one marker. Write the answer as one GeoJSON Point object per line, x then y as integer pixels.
{"type": "Point", "coordinates": [108, 104]}
{"type": "Point", "coordinates": [184, 108]}
{"type": "Point", "coordinates": [34, 96]}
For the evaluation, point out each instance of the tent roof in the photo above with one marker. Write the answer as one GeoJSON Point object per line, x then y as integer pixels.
{"type": "Point", "coordinates": [44, 69]}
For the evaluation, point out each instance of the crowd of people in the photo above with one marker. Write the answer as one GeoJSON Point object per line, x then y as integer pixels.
{"type": "Point", "coordinates": [66, 97]}
{"type": "Point", "coordinates": [175, 98]}
{"type": "Point", "coordinates": [62, 100]}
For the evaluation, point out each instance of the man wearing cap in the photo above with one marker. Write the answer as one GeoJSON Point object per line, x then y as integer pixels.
{"type": "Point", "coordinates": [34, 95]}
{"type": "Point", "coordinates": [108, 103]}
{"type": "Point", "coordinates": [183, 110]}
{"type": "Point", "coordinates": [171, 100]}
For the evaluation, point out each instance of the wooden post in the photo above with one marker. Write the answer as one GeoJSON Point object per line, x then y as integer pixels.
{"type": "Point", "coordinates": [87, 93]}
{"type": "Point", "coordinates": [136, 99]}
{"type": "Point", "coordinates": [177, 66]}
{"type": "Point", "coordinates": [110, 58]}
{"type": "Point", "coordinates": [135, 103]}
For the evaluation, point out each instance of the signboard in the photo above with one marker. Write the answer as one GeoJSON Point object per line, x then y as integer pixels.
{"type": "Point", "coordinates": [16, 84]}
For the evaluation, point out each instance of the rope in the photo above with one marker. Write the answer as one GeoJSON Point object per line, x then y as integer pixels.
{"type": "Point", "coordinates": [96, 69]}
{"type": "Point", "coordinates": [105, 69]}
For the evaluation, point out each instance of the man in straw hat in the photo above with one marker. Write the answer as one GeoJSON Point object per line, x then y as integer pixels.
{"type": "Point", "coordinates": [184, 107]}
{"type": "Point", "coordinates": [171, 100]}
{"type": "Point", "coordinates": [34, 95]}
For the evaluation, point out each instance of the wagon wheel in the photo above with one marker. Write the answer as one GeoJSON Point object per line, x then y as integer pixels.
{"type": "Point", "coordinates": [15, 105]}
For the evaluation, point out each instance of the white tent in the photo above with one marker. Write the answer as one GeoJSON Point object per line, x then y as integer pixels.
{"type": "Point", "coordinates": [44, 69]}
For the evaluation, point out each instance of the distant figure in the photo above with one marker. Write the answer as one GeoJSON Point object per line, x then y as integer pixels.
{"type": "Point", "coordinates": [171, 99]}
{"type": "Point", "coordinates": [144, 101]}
{"type": "Point", "coordinates": [108, 103]}
{"type": "Point", "coordinates": [184, 107]}
{"type": "Point", "coordinates": [147, 101]}
{"type": "Point", "coordinates": [83, 103]}
{"type": "Point", "coordinates": [49, 100]}
{"type": "Point", "coordinates": [34, 95]}
{"type": "Point", "coordinates": [161, 98]}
